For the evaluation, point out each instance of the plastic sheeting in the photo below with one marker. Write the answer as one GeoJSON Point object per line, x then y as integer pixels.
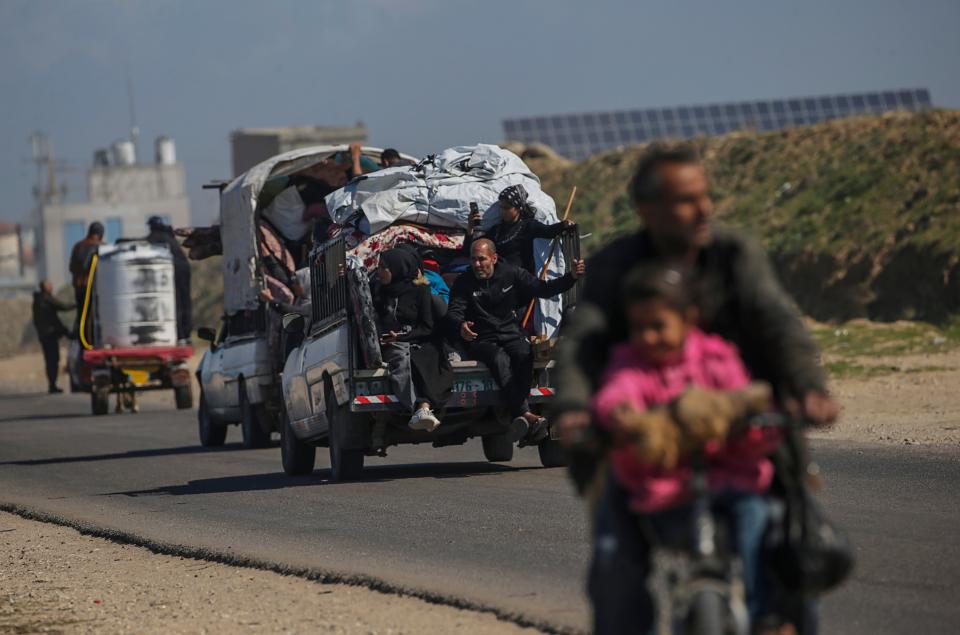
{"type": "Point", "coordinates": [238, 203]}
{"type": "Point", "coordinates": [438, 192]}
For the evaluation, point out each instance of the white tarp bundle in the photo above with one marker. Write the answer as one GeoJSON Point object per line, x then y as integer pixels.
{"type": "Point", "coordinates": [438, 191]}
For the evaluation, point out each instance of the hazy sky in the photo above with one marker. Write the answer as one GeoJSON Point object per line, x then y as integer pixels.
{"type": "Point", "coordinates": [425, 74]}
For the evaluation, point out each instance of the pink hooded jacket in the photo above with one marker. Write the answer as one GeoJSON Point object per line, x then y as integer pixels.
{"type": "Point", "coordinates": [707, 361]}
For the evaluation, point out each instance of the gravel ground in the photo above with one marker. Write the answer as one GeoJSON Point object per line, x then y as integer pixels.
{"type": "Point", "coordinates": [55, 580]}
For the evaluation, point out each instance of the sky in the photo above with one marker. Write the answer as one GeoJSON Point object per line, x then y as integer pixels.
{"type": "Point", "coordinates": [423, 75]}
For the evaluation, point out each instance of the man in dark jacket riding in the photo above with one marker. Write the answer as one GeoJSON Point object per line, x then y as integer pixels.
{"type": "Point", "coordinates": [742, 301]}
{"type": "Point", "coordinates": [49, 329]}
{"type": "Point", "coordinates": [482, 313]}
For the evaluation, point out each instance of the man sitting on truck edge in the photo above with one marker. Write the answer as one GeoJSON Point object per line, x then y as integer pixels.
{"type": "Point", "coordinates": [482, 313]}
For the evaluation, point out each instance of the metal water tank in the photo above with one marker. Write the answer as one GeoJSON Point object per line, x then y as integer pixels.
{"type": "Point", "coordinates": [124, 152]}
{"type": "Point", "coordinates": [166, 151]}
{"type": "Point", "coordinates": [136, 301]}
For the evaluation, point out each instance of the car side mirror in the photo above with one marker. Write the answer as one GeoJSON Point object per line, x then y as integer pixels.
{"type": "Point", "coordinates": [207, 334]}
{"type": "Point", "coordinates": [292, 323]}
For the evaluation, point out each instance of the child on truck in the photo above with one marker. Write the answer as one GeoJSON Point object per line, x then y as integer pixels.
{"type": "Point", "coordinates": [667, 355]}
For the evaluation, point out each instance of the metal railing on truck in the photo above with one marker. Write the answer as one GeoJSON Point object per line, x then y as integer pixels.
{"type": "Point", "coordinates": [328, 283]}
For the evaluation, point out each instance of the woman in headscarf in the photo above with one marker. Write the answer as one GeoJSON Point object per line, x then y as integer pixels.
{"type": "Point", "coordinates": [518, 228]}
{"type": "Point", "coordinates": [420, 374]}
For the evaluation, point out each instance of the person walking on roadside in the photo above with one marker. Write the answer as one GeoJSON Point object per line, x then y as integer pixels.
{"type": "Point", "coordinates": [80, 258]}
{"type": "Point", "coordinates": [741, 301]}
{"type": "Point", "coordinates": [482, 314]}
{"type": "Point", "coordinates": [49, 330]}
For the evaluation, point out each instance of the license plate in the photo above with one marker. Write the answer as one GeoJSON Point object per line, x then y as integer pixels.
{"type": "Point", "coordinates": [473, 384]}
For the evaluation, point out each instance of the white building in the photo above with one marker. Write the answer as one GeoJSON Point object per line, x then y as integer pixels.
{"type": "Point", "coordinates": [122, 194]}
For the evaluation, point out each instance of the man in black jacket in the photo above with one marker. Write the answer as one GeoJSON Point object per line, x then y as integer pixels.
{"type": "Point", "coordinates": [482, 313]}
{"type": "Point", "coordinates": [49, 329]}
{"type": "Point", "coordinates": [742, 301]}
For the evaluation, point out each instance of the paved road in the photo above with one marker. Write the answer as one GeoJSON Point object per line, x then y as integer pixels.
{"type": "Point", "coordinates": [442, 520]}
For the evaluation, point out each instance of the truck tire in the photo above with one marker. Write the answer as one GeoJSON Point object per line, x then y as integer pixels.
{"type": "Point", "coordinates": [498, 448]}
{"type": "Point", "coordinates": [100, 401]}
{"type": "Point", "coordinates": [212, 434]}
{"type": "Point", "coordinates": [183, 395]}
{"type": "Point", "coordinates": [298, 458]}
{"type": "Point", "coordinates": [253, 435]}
{"type": "Point", "coordinates": [552, 454]}
{"type": "Point", "coordinates": [346, 464]}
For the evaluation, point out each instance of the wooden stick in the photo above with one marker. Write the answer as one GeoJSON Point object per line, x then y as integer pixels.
{"type": "Point", "coordinates": [546, 265]}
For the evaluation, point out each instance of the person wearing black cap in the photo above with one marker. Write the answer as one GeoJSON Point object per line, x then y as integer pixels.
{"type": "Point", "coordinates": [514, 235]}
{"type": "Point", "coordinates": [81, 256]}
{"type": "Point", "coordinates": [162, 234]}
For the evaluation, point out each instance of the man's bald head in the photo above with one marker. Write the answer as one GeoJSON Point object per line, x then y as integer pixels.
{"type": "Point", "coordinates": [484, 244]}
{"type": "Point", "coordinates": [483, 258]}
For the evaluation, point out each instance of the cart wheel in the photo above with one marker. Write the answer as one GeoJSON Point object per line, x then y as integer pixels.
{"type": "Point", "coordinates": [346, 464]}
{"type": "Point", "coordinates": [253, 434]}
{"type": "Point", "coordinates": [100, 401]}
{"type": "Point", "coordinates": [212, 433]}
{"type": "Point", "coordinates": [183, 396]}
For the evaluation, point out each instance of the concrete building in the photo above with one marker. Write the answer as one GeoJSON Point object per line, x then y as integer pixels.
{"type": "Point", "coordinates": [250, 146]}
{"type": "Point", "coordinates": [122, 194]}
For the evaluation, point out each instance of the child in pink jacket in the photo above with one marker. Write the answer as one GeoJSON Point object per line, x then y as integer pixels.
{"type": "Point", "coordinates": [666, 354]}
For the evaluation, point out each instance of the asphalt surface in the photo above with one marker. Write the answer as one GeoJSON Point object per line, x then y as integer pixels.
{"type": "Point", "coordinates": [441, 521]}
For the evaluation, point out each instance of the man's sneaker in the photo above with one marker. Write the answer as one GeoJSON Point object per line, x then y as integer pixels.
{"type": "Point", "coordinates": [54, 390]}
{"type": "Point", "coordinates": [432, 420]}
{"type": "Point", "coordinates": [422, 419]}
{"type": "Point", "coordinates": [538, 432]}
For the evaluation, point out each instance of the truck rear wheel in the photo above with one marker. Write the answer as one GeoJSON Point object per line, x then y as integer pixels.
{"type": "Point", "coordinates": [498, 448]}
{"type": "Point", "coordinates": [212, 434]}
{"type": "Point", "coordinates": [346, 464]}
{"type": "Point", "coordinates": [100, 400]}
{"type": "Point", "coordinates": [253, 435]}
{"type": "Point", "coordinates": [298, 458]}
{"type": "Point", "coordinates": [552, 454]}
{"type": "Point", "coordinates": [183, 396]}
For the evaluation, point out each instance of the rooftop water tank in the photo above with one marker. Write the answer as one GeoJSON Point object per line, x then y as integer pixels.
{"type": "Point", "coordinates": [136, 302]}
{"type": "Point", "coordinates": [124, 152]}
{"type": "Point", "coordinates": [166, 151]}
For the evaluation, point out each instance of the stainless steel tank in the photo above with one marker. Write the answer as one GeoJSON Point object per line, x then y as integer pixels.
{"type": "Point", "coordinates": [136, 301]}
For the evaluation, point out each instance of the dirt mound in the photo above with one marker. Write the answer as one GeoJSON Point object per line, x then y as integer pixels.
{"type": "Point", "coordinates": [860, 215]}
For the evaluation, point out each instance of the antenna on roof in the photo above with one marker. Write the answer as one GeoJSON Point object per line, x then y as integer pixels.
{"type": "Point", "coordinates": [134, 129]}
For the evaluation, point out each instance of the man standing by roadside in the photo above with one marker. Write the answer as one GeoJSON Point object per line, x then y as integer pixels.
{"type": "Point", "coordinates": [80, 258]}
{"type": "Point", "coordinates": [49, 330]}
{"type": "Point", "coordinates": [742, 301]}
{"type": "Point", "coordinates": [482, 314]}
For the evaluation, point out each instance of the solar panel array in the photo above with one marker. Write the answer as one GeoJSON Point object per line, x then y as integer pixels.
{"type": "Point", "coordinates": [580, 135]}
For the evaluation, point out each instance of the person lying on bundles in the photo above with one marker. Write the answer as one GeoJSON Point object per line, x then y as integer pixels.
{"type": "Point", "coordinates": [482, 313]}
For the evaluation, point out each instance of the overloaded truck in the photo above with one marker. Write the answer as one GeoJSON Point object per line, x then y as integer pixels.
{"type": "Point", "coordinates": [239, 374]}
{"type": "Point", "coordinates": [128, 329]}
{"type": "Point", "coordinates": [336, 390]}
